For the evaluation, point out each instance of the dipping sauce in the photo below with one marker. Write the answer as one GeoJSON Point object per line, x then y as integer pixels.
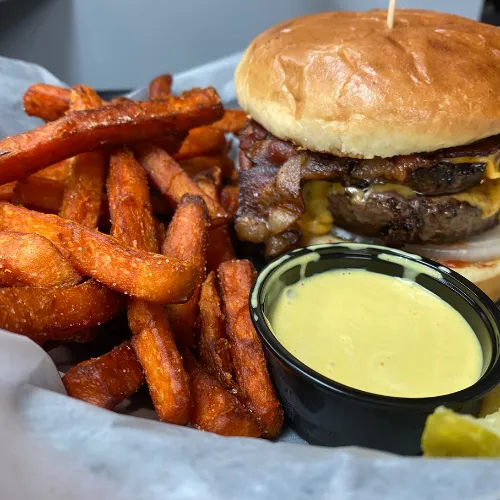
{"type": "Point", "coordinates": [376, 333]}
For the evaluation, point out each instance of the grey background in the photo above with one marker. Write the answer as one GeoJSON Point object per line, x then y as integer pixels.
{"type": "Point", "coordinates": [120, 44]}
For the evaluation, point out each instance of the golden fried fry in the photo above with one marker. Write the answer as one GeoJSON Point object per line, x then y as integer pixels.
{"type": "Point", "coordinates": [201, 141]}
{"type": "Point", "coordinates": [81, 131]}
{"type": "Point", "coordinates": [171, 180]}
{"type": "Point", "coordinates": [129, 203]}
{"type": "Point", "coordinates": [215, 409]}
{"type": "Point", "coordinates": [7, 191]}
{"type": "Point", "coordinates": [38, 193]}
{"type": "Point", "coordinates": [187, 240]}
{"type": "Point", "coordinates": [133, 225]}
{"type": "Point", "coordinates": [165, 375]}
{"type": "Point", "coordinates": [45, 195]}
{"type": "Point", "coordinates": [199, 164]}
{"type": "Point", "coordinates": [84, 190]}
{"type": "Point", "coordinates": [236, 278]}
{"type": "Point", "coordinates": [213, 345]}
{"type": "Point", "coordinates": [160, 87]}
{"type": "Point", "coordinates": [83, 194]}
{"type": "Point", "coordinates": [220, 248]}
{"type": "Point", "coordinates": [58, 172]}
{"type": "Point", "coordinates": [170, 143]}
{"type": "Point", "coordinates": [210, 181]}
{"type": "Point", "coordinates": [31, 260]}
{"type": "Point", "coordinates": [48, 102]}
{"type": "Point", "coordinates": [142, 274]}
{"type": "Point", "coordinates": [107, 380]}
{"type": "Point", "coordinates": [232, 121]}
{"type": "Point", "coordinates": [58, 310]}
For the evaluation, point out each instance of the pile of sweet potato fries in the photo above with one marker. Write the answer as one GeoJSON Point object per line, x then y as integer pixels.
{"type": "Point", "coordinates": [126, 206]}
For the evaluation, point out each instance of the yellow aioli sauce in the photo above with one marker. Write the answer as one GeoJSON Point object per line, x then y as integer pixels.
{"type": "Point", "coordinates": [376, 333]}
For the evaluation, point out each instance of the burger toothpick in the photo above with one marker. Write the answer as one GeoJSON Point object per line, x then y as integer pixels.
{"type": "Point", "coordinates": [390, 14]}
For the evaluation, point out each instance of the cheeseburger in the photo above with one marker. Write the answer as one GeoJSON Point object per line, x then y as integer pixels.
{"type": "Point", "coordinates": [378, 135]}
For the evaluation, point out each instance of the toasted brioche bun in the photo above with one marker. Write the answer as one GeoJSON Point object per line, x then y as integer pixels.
{"type": "Point", "coordinates": [343, 83]}
{"type": "Point", "coordinates": [485, 275]}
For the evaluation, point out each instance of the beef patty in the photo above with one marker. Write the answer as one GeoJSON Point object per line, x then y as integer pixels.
{"type": "Point", "coordinates": [398, 219]}
{"type": "Point", "coordinates": [273, 172]}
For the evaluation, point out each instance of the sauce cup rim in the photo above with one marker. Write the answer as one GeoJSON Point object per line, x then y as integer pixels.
{"type": "Point", "coordinates": [483, 385]}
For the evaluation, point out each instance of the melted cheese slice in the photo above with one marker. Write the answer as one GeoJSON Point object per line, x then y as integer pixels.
{"type": "Point", "coordinates": [317, 219]}
{"type": "Point", "coordinates": [486, 197]}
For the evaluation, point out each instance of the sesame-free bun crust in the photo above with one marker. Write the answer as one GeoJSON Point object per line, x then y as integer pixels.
{"type": "Point", "coordinates": [485, 274]}
{"type": "Point", "coordinates": [343, 83]}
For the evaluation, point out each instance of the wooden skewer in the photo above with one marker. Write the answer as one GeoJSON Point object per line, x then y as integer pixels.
{"type": "Point", "coordinates": [390, 14]}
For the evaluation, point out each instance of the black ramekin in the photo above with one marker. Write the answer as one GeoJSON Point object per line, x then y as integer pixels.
{"type": "Point", "coordinates": [326, 412]}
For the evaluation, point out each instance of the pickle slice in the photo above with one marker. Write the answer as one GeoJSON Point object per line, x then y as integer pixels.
{"type": "Point", "coordinates": [449, 434]}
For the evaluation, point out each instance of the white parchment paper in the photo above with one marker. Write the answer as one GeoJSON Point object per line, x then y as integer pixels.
{"type": "Point", "coordinates": [53, 447]}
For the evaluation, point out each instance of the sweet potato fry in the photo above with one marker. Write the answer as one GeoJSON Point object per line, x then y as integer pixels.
{"type": "Point", "coordinates": [58, 310]}
{"type": "Point", "coordinates": [133, 224]}
{"type": "Point", "coordinates": [7, 191]}
{"type": "Point", "coordinates": [171, 180]}
{"type": "Point", "coordinates": [187, 240]}
{"type": "Point", "coordinates": [202, 141]}
{"type": "Point", "coordinates": [232, 121]}
{"type": "Point", "coordinates": [107, 380]}
{"type": "Point", "coordinates": [199, 164]}
{"type": "Point", "coordinates": [31, 260]}
{"type": "Point", "coordinates": [210, 181]}
{"type": "Point", "coordinates": [54, 107]}
{"type": "Point", "coordinates": [236, 278]}
{"type": "Point", "coordinates": [45, 195]}
{"type": "Point", "coordinates": [142, 274]}
{"type": "Point", "coordinates": [160, 87]}
{"type": "Point", "coordinates": [229, 199]}
{"type": "Point", "coordinates": [220, 248]}
{"type": "Point", "coordinates": [81, 131]}
{"type": "Point", "coordinates": [48, 102]}
{"type": "Point", "coordinates": [213, 345]}
{"type": "Point", "coordinates": [215, 409]}
{"type": "Point", "coordinates": [82, 98]}
{"type": "Point", "coordinates": [39, 193]}
{"type": "Point", "coordinates": [129, 203]}
{"type": "Point", "coordinates": [83, 193]}
{"type": "Point", "coordinates": [165, 375]}
{"type": "Point", "coordinates": [58, 172]}
{"type": "Point", "coordinates": [170, 143]}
